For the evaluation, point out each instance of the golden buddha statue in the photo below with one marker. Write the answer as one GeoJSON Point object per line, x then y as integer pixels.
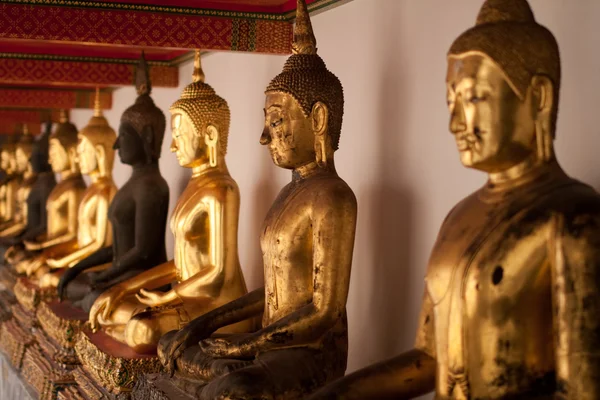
{"type": "Point", "coordinates": [8, 189]}
{"type": "Point", "coordinates": [511, 304]}
{"type": "Point", "coordinates": [307, 244]}
{"type": "Point", "coordinates": [23, 168]}
{"type": "Point", "coordinates": [205, 225]}
{"type": "Point", "coordinates": [63, 201]}
{"type": "Point", "coordinates": [95, 157]}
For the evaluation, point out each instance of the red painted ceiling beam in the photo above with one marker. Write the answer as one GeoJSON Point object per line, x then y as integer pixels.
{"type": "Point", "coordinates": [52, 99]}
{"type": "Point", "coordinates": [98, 23]}
{"type": "Point", "coordinates": [17, 71]}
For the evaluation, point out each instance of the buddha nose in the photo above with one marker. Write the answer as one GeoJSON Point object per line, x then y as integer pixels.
{"type": "Point", "coordinates": [116, 144]}
{"type": "Point", "coordinates": [265, 138]}
{"type": "Point", "coordinates": [457, 118]}
{"type": "Point", "coordinates": [173, 146]}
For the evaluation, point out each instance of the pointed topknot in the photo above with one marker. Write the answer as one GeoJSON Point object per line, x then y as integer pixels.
{"type": "Point", "coordinates": [97, 108]}
{"type": "Point", "coordinates": [304, 38]}
{"type": "Point", "coordinates": [494, 11]}
{"type": "Point", "coordinates": [64, 116]}
{"type": "Point", "coordinates": [198, 74]}
{"type": "Point", "coordinates": [142, 77]}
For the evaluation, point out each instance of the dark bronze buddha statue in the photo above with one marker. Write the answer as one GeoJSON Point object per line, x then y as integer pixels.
{"type": "Point", "coordinates": [138, 212]}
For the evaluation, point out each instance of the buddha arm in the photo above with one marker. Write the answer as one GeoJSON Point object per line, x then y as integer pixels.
{"type": "Point", "coordinates": [156, 277]}
{"type": "Point", "coordinates": [97, 242]}
{"type": "Point", "coordinates": [146, 208]}
{"type": "Point", "coordinates": [12, 230]}
{"type": "Point", "coordinates": [406, 376]}
{"type": "Point", "coordinates": [36, 221]}
{"type": "Point", "coordinates": [575, 265]}
{"type": "Point", "coordinates": [69, 233]}
{"type": "Point", "coordinates": [206, 282]}
{"type": "Point", "coordinates": [334, 224]}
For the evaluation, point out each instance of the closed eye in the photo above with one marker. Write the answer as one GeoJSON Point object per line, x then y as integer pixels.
{"type": "Point", "coordinates": [276, 123]}
{"type": "Point", "coordinates": [476, 99]}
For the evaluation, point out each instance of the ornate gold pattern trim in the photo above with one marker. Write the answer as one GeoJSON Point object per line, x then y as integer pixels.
{"type": "Point", "coordinates": [116, 375]}
{"type": "Point", "coordinates": [14, 341]}
{"type": "Point", "coordinates": [30, 296]}
{"type": "Point", "coordinates": [63, 331]}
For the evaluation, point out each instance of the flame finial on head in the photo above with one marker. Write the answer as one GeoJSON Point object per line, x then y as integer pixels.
{"type": "Point", "coordinates": [304, 38]}
{"type": "Point", "coordinates": [198, 74]}
{"type": "Point", "coordinates": [63, 117]}
{"type": "Point", "coordinates": [142, 77]}
{"type": "Point", "coordinates": [97, 108]}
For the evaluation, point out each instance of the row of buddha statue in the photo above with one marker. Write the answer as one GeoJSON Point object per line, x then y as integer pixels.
{"type": "Point", "coordinates": [511, 302]}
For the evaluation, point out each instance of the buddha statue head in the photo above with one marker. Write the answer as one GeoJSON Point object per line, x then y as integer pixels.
{"type": "Point", "coordinates": [62, 145]}
{"type": "Point", "coordinates": [95, 152]}
{"type": "Point", "coordinates": [8, 162]}
{"type": "Point", "coordinates": [142, 127]}
{"type": "Point", "coordinates": [304, 104]}
{"type": "Point", "coordinates": [503, 85]}
{"type": "Point", "coordinates": [200, 123]}
{"type": "Point", "coordinates": [23, 150]}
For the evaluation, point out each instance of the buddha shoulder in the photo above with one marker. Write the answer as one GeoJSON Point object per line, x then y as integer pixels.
{"type": "Point", "coordinates": [331, 191]}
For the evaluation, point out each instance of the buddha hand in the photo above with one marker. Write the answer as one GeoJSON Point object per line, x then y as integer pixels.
{"type": "Point", "coordinates": [105, 304]}
{"type": "Point", "coordinates": [171, 347]}
{"type": "Point", "coordinates": [235, 346]}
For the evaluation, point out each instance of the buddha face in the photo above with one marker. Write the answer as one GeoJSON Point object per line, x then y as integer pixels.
{"type": "Point", "coordinates": [86, 155]}
{"type": "Point", "coordinates": [288, 132]}
{"type": "Point", "coordinates": [6, 161]}
{"type": "Point", "coordinates": [22, 159]}
{"type": "Point", "coordinates": [130, 145]}
{"type": "Point", "coordinates": [187, 144]}
{"type": "Point", "coordinates": [58, 156]}
{"type": "Point", "coordinates": [494, 128]}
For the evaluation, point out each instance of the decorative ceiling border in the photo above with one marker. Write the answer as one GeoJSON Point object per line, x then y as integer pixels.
{"type": "Point", "coordinates": [16, 97]}
{"type": "Point", "coordinates": [288, 16]}
{"type": "Point", "coordinates": [15, 71]}
{"type": "Point", "coordinates": [19, 20]}
{"type": "Point", "coordinates": [52, 57]}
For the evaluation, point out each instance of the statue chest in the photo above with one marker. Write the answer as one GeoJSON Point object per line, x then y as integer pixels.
{"type": "Point", "coordinates": [287, 247]}
{"type": "Point", "coordinates": [490, 281]}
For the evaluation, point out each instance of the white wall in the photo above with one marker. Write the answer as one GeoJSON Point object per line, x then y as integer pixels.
{"type": "Point", "coordinates": [396, 152]}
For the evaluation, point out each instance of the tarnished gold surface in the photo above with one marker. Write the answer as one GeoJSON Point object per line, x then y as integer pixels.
{"type": "Point", "coordinates": [307, 244]}
{"type": "Point", "coordinates": [115, 374]}
{"type": "Point", "coordinates": [511, 301]}
{"type": "Point", "coordinates": [204, 223]}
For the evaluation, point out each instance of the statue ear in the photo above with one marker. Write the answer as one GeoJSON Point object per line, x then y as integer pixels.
{"type": "Point", "coordinates": [319, 118]}
{"type": "Point", "coordinates": [100, 158]}
{"type": "Point", "coordinates": [147, 135]}
{"type": "Point", "coordinates": [543, 97]}
{"type": "Point", "coordinates": [211, 138]}
{"type": "Point", "coordinates": [320, 124]}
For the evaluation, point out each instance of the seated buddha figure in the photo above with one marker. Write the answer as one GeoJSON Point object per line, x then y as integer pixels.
{"type": "Point", "coordinates": [36, 195]}
{"type": "Point", "coordinates": [138, 213]}
{"type": "Point", "coordinates": [95, 157]}
{"type": "Point", "coordinates": [63, 201]}
{"type": "Point", "coordinates": [23, 152]}
{"type": "Point", "coordinates": [307, 244]}
{"type": "Point", "coordinates": [205, 223]}
{"type": "Point", "coordinates": [511, 304]}
{"type": "Point", "coordinates": [10, 183]}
